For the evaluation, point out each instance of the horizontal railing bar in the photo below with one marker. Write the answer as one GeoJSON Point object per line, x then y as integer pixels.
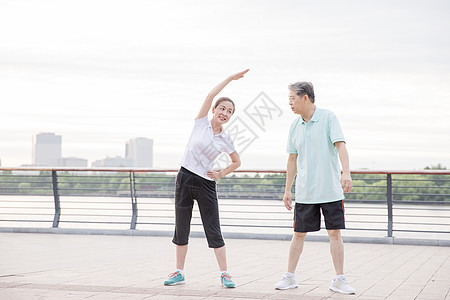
{"type": "Point", "coordinates": [92, 189]}
{"type": "Point", "coordinates": [18, 182]}
{"type": "Point", "coordinates": [15, 207]}
{"type": "Point", "coordinates": [252, 226]}
{"type": "Point", "coordinates": [426, 180]}
{"type": "Point", "coordinates": [92, 215]}
{"type": "Point", "coordinates": [90, 208]}
{"type": "Point", "coordinates": [92, 222]}
{"type": "Point", "coordinates": [96, 202]}
{"type": "Point", "coordinates": [26, 214]}
{"type": "Point", "coordinates": [220, 183]}
{"type": "Point", "coordinates": [28, 221]}
{"type": "Point", "coordinates": [381, 179]}
{"type": "Point", "coordinates": [91, 175]}
{"type": "Point", "coordinates": [288, 220]}
{"type": "Point", "coordinates": [420, 187]}
{"type": "Point", "coordinates": [421, 202]}
{"type": "Point", "coordinates": [22, 194]}
{"type": "Point", "coordinates": [89, 182]}
{"type": "Point", "coordinates": [423, 231]}
{"type": "Point", "coordinates": [418, 208]}
{"type": "Point", "coordinates": [363, 214]}
{"type": "Point", "coordinates": [100, 195]}
{"type": "Point", "coordinates": [153, 170]}
{"type": "Point", "coordinates": [349, 204]}
{"type": "Point", "coordinates": [22, 176]}
{"type": "Point", "coordinates": [27, 201]}
{"type": "Point", "coordinates": [222, 211]}
{"type": "Point", "coordinates": [422, 223]}
{"type": "Point", "coordinates": [422, 216]}
{"type": "Point", "coordinates": [418, 194]}
{"type": "Point", "coordinates": [25, 188]}
{"type": "Point", "coordinates": [261, 212]}
{"type": "Point", "coordinates": [365, 193]}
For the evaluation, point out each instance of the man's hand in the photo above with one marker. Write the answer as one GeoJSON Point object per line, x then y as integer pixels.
{"type": "Point", "coordinates": [346, 182]}
{"type": "Point", "coordinates": [287, 199]}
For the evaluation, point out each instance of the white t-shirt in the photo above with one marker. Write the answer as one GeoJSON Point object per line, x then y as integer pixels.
{"type": "Point", "coordinates": [204, 147]}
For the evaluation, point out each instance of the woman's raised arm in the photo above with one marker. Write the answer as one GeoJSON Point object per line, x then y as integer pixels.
{"type": "Point", "coordinates": [209, 99]}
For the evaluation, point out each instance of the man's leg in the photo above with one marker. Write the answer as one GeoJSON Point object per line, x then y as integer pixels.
{"type": "Point", "coordinates": [337, 250]}
{"type": "Point", "coordinates": [295, 250]}
{"type": "Point", "coordinates": [339, 283]}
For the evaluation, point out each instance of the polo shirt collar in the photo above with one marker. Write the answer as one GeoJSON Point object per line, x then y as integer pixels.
{"type": "Point", "coordinates": [210, 126]}
{"type": "Point", "coordinates": [315, 116]}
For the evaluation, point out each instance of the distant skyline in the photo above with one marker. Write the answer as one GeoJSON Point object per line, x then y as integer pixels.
{"type": "Point", "coordinates": [46, 151]}
{"type": "Point", "coordinates": [99, 72]}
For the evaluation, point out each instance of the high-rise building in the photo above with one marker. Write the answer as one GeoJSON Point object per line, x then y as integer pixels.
{"type": "Point", "coordinates": [116, 161]}
{"type": "Point", "coordinates": [46, 149]}
{"type": "Point", "coordinates": [73, 162]}
{"type": "Point", "coordinates": [140, 150]}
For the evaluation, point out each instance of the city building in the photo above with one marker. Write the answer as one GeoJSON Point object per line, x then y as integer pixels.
{"type": "Point", "coordinates": [140, 150]}
{"type": "Point", "coordinates": [46, 149]}
{"type": "Point", "coordinates": [113, 162]}
{"type": "Point", "coordinates": [73, 162]}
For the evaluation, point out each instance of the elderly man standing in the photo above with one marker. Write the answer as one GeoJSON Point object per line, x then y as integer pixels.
{"type": "Point", "coordinates": [315, 146]}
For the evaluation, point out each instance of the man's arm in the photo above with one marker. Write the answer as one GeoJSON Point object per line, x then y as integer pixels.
{"type": "Point", "coordinates": [291, 171]}
{"type": "Point", "coordinates": [346, 180]}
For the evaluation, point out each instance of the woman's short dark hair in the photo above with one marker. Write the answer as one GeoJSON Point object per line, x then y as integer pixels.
{"type": "Point", "coordinates": [303, 88]}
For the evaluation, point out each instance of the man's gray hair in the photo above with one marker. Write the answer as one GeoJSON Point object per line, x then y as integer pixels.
{"type": "Point", "coordinates": [303, 88]}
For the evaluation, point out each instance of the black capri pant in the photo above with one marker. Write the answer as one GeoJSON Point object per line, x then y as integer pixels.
{"type": "Point", "coordinates": [190, 186]}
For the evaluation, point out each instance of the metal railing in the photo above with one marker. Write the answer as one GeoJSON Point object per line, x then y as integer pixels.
{"type": "Point", "coordinates": [382, 203]}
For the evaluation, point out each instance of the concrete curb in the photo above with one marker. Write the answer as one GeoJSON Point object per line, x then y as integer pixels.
{"type": "Point", "coordinates": [228, 235]}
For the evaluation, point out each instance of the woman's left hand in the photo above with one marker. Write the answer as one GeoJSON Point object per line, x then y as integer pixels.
{"type": "Point", "coordinates": [238, 75]}
{"type": "Point", "coordinates": [214, 174]}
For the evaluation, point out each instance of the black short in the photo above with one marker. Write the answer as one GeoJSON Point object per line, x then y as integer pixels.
{"type": "Point", "coordinates": [190, 186]}
{"type": "Point", "coordinates": [307, 216]}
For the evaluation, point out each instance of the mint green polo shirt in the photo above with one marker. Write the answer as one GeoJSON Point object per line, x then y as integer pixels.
{"type": "Point", "coordinates": [318, 169]}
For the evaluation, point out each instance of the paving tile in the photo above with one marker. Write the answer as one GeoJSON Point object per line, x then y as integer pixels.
{"type": "Point", "coordinates": [423, 296]}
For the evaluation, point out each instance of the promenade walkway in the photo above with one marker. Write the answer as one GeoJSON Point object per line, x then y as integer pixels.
{"type": "Point", "coordinates": [59, 266]}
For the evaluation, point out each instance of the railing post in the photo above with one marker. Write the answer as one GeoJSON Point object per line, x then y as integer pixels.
{"type": "Point", "coordinates": [56, 199]}
{"type": "Point", "coordinates": [389, 203]}
{"type": "Point", "coordinates": [133, 200]}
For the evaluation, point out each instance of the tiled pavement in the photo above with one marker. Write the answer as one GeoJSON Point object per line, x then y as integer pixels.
{"type": "Point", "coordinates": [58, 266]}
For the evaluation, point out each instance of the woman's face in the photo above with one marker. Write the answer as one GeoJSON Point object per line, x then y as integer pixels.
{"type": "Point", "coordinates": [223, 112]}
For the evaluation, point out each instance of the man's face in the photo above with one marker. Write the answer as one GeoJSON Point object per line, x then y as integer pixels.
{"type": "Point", "coordinates": [296, 102]}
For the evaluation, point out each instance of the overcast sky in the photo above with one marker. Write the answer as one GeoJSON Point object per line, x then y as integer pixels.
{"type": "Point", "coordinates": [101, 72]}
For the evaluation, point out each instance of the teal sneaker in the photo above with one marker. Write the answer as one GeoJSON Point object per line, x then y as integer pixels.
{"type": "Point", "coordinates": [225, 278]}
{"type": "Point", "coordinates": [175, 278]}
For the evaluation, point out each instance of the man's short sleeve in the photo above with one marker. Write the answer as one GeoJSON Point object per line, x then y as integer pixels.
{"type": "Point", "coordinates": [291, 147]}
{"type": "Point", "coordinates": [336, 134]}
